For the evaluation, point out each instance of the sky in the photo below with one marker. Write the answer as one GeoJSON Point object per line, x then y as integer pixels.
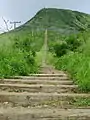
{"type": "Point", "coordinates": [24, 10]}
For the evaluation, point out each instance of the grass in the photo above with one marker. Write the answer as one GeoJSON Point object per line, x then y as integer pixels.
{"type": "Point", "coordinates": [40, 56]}
{"type": "Point", "coordinates": [14, 63]}
{"type": "Point", "coordinates": [77, 64]}
{"type": "Point", "coordinates": [17, 56]}
{"type": "Point", "coordinates": [21, 53]}
{"type": "Point", "coordinates": [81, 102]}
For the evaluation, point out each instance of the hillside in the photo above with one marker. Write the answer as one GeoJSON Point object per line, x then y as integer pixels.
{"type": "Point", "coordinates": [22, 42]}
{"type": "Point", "coordinates": [55, 20]}
{"type": "Point", "coordinates": [58, 20]}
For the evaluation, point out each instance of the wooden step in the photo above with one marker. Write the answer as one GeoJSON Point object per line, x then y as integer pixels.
{"type": "Point", "coordinates": [38, 88]}
{"type": "Point", "coordinates": [40, 78]}
{"type": "Point", "coordinates": [44, 114]}
{"type": "Point", "coordinates": [42, 75]}
{"type": "Point", "coordinates": [47, 82]}
{"type": "Point", "coordinates": [34, 99]}
{"type": "Point", "coordinates": [49, 75]}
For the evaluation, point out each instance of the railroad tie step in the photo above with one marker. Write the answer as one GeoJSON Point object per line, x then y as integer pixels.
{"type": "Point", "coordinates": [44, 114]}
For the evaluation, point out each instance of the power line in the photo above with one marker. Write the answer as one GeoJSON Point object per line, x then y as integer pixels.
{"type": "Point", "coordinates": [15, 23]}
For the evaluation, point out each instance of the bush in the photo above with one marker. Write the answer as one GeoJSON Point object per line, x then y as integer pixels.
{"type": "Point", "coordinates": [70, 43]}
{"type": "Point", "coordinates": [60, 49]}
{"type": "Point", "coordinates": [78, 65]}
{"type": "Point", "coordinates": [18, 59]}
{"type": "Point", "coordinates": [73, 42]}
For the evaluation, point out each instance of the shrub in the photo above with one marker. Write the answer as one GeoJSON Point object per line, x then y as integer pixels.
{"type": "Point", "coordinates": [60, 49]}
{"type": "Point", "coordinates": [78, 65]}
{"type": "Point", "coordinates": [18, 59]}
{"type": "Point", "coordinates": [73, 42]}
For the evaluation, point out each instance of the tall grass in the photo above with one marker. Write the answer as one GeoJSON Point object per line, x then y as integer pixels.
{"type": "Point", "coordinates": [78, 65]}
{"type": "Point", "coordinates": [17, 57]}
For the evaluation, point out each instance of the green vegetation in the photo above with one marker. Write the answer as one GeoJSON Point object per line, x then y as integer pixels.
{"type": "Point", "coordinates": [70, 43]}
{"type": "Point", "coordinates": [64, 21]}
{"type": "Point", "coordinates": [77, 62]}
{"type": "Point", "coordinates": [18, 54]}
{"type": "Point", "coordinates": [21, 50]}
{"type": "Point", "coordinates": [75, 102]}
{"type": "Point", "coordinates": [81, 102]}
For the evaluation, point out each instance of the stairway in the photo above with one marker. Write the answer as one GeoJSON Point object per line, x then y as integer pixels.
{"type": "Point", "coordinates": [46, 96]}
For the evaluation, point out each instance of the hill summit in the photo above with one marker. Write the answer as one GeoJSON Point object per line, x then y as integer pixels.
{"type": "Point", "coordinates": [58, 19]}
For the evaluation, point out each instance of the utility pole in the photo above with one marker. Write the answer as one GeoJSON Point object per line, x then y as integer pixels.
{"type": "Point", "coordinates": [6, 24]}
{"type": "Point", "coordinates": [15, 23]}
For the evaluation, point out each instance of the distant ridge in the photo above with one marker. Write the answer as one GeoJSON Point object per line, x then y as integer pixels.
{"type": "Point", "coordinates": [58, 19]}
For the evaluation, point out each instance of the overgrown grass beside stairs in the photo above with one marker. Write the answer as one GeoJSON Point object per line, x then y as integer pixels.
{"type": "Point", "coordinates": [17, 58]}
{"type": "Point", "coordinates": [77, 64]}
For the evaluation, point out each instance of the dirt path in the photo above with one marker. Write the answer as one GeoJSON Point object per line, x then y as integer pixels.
{"type": "Point", "coordinates": [49, 95]}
